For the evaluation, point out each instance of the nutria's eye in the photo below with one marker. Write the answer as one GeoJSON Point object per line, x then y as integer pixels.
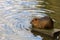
{"type": "Point", "coordinates": [35, 19]}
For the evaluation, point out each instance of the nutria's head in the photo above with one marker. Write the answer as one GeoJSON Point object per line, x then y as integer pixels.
{"type": "Point", "coordinates": [35, 22]}
{"type": "Point", "coordinates": [44, 23]}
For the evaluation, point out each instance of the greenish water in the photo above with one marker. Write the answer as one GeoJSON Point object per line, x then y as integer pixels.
{"type": "Point", "coordinates": [54, 6]}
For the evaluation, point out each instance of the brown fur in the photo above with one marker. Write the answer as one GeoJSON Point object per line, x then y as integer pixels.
{"type": "Point", "coordinates": [44, 23]}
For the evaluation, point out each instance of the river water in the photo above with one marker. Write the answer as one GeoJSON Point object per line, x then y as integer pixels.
{"type": "Point", "coordinates": [15, 17]}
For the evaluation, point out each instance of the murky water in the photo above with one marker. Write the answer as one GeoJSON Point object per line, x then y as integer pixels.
{"type": "Point", "coordinates": [55, 6]}
{"type": "Point", "coordinates": [53, 10]}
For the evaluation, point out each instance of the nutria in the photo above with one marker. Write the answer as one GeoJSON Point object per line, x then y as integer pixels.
{"type": "Point", "coordinates": [42, 23]}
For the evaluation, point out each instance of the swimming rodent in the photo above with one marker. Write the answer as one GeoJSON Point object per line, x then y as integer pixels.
{"type": "Point", "coordinates": [45, 22]}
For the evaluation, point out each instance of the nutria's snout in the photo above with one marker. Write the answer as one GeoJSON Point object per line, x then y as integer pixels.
{"type": "Point", "coordinates": [43, 22]}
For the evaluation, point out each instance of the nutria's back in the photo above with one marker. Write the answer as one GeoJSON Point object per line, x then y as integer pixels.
{"type": "Point", "coordinates": [43, 22]}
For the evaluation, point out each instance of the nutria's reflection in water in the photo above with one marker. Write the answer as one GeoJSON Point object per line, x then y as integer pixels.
{"type": "Point", "coordinates": [45, 36]}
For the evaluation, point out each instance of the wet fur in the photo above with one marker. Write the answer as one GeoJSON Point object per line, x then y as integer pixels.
{"type": "Point", "coordinates": [42, 23]}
